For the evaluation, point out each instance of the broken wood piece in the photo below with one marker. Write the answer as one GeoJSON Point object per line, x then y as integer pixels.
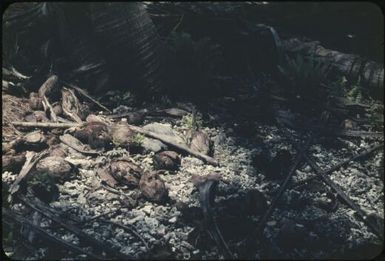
{"type": "Point", "coordinates": [31, 159]}
{"type": "Point", "coordinates": [48, 86]}
{"type": "Point", "coordinates": [70, 104]}
{"type": "Point", "coordinates": [76, 144]}
{"type": "Point", "coordinates": [12, 217]}
{"type": "Point", "coordinates": [182, 147]}
{"type": "Point", "coordinates": [48, 108]}
{"type": "Point", "coordinates": [82, 92]}
{"type": "Point", "coordinates": [50, 125]}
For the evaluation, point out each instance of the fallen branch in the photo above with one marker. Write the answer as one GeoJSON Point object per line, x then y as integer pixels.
{"type": "Point", "coordinates": [344, 197]}
{"type": "Point", "coordinates": [301, 154]}
{"type": "Point", "coordinates": [48, 125]}
{"type": "Point", "coordinates": [12, 217]}
{"type": "Point", "coordinates": [182, 147]}
{"type": "Point", "coordinates": [340, 165]}
{"type": "Point", "coordinates": [339, 192]}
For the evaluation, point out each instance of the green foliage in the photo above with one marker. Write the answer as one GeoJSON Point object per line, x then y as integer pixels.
{"type": "Point", "coordinates": [191, 121]}
{"type": "Point", "coordinates": [304, 73]}
{"type": "Point", "coordinates": [356, 93]}
{"type": "Point", "coordinates": [42, 180]}
{"type": "Point", "coordinates": [137, 139]}
{"type": "Point", "coordinates": [304, 79]}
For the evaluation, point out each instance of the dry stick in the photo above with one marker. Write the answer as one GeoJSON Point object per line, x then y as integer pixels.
{"type": "Point", "coordinates": [340, 165]}
{"type": "Point", "coordinates": [47, 212]}
{"type": "Point", "coordinates": [201, 156]}
{"type": "Point", "coordinates": [301, 154]}
{"type": "Point", "coordinates": [82, 92]}
{"type": "Point", "coordinates": [49, 125]}
{"type": "Point", "coordinates": [343, 196]}
{"type": "Point", "coordinates": [31, 159]}
{"type": "Point", "coordinates": [129, 228]}
{"type": "Point", "coordinates": [23, 221]}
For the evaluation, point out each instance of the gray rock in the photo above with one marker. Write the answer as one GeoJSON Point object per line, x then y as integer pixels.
{"type": "Point", "coordinates": [164, 130]}
{"type": "Point", "coordinates": [153, 145]}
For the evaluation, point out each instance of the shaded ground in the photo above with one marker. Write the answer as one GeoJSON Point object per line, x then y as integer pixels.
{"type": "Point", "coordinates": [309, 221]}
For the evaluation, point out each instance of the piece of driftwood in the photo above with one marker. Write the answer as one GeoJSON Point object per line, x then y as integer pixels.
{"type": "Point", "coordinates": [76, 144]}
{"type": "Point", "coordinates": [82, 92]}
{"type": "Point", "coordinates": [31, 159]}
{"type": "Point", "coordinates": [50, 213]}
{"type": "Point", "coordinates": [182, 147]}
{"type": "Point", "coordinates": [12, 217]}
{"type": "Point", "coordinates": [48, 125]}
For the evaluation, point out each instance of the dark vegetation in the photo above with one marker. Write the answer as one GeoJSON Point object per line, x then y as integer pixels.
{"type": "Point", "coordinates": [196, 130]}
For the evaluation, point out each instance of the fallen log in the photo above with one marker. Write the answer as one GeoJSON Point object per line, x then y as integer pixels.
{"type": "Point", "coordinates": [349, 65]}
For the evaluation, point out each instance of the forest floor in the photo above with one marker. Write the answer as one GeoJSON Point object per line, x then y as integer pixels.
{"type": "Point", "coordinates": [309, 221]}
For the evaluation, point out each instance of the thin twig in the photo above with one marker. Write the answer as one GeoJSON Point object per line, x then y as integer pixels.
{"type": "Point", "coordinates": [49, 125]}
